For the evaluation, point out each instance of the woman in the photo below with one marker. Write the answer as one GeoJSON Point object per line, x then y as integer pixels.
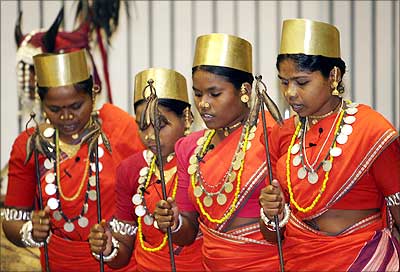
{"type": "Point", "coordinates": [138, 181]}
{"type": "Point", "coordinates": [66, 164]}
{"type": "Point", "coordinates": [221, 169]}
{"type": "Point", "coordinates": [337, 163]}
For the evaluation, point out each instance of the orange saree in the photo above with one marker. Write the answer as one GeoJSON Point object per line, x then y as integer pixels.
{"type": "Point", "coordinates": [357, 180]}
{"type": "Point", "coordinates": [241, 248]}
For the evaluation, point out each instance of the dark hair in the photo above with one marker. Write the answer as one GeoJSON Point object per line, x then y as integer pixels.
{"type": "Point", "coordinates": [82, 86]}
{"type": "Point", "coordinates": [174, 105]}
{"type": "Point", "coordinates": [234, 76]}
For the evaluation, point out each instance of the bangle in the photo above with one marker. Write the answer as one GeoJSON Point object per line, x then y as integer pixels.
{"type": "Point", "coordinates": [26, 236]}
{"type": "Point", "coordinates": [16, 214]}
{"type": "Point", "coordinates": [122, 228]}
{"type": "Point", "coordinates": [113, 254]}
{"type": "Point", "coordinates": [271, 224]}
{"type": "Point", "coordinates": [180, 223]}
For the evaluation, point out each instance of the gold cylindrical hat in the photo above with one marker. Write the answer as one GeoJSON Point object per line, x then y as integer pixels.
{"type": "Point", "coordinates": [224, 50]}
{"type": "Point", "coordinates": [310, 38]}
{"type": "Point", "coordinates": [54, 70]}
{"type": "Point", "coordinates": [168, 84]}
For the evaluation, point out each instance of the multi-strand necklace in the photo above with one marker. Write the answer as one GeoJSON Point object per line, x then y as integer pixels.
{"type": "Point", "coordinates": [138, 199]}
{"type": "Point", "coordinates": [343, 128]}
{"type": "Point", "coordinates": [226, 185]}
{"type": "Point", "coordinates": [54, 189]}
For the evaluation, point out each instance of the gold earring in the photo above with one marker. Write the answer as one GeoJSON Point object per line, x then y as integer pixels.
{"type": "Point", "coordinates": [46, 119]}
{"type": "Point", "coordinates": [244, 96]}
{"type": "Point", "coordinates": [335, 83]}
{"type": "Point", "coordinates": [188, 120]}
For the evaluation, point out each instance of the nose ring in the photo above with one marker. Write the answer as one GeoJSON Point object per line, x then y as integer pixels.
{"type": "Point", "coordinates": [149, 137]}
{"type": "Point", "coordinates": [204, 105]}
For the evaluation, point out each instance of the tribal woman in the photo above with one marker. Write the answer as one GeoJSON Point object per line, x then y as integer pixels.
{"type": "Point", "coordinates": [337, 163]}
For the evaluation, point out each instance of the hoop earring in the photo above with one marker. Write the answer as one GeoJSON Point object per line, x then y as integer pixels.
{"type": "Point", "coordinates": [244, 97]}
{"type": "Point", "coordinates": [335, 83]}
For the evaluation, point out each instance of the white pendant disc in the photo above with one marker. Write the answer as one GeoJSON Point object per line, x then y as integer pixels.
{"type": "Point", "coordinates": [148, 220]}
{"type": "Point", "coordinates": [155, 224]}
{"type": "Point", "coordinates": [346, 129]}
{"type": "Point", "coordinates": [342, 138]}
{"type": "Point", "coordinates": [93, 167]}
{"type": "Point", "coordinates": [69, 227]}
{"type": "Point", "coordinates": [83, 222]}
{"type": "Point", "coordinates": [100, 140]}
{"type": "Point", "coordinates": [192, 169]}
{"type": "Point", "coordinates": [296, 160]}
{"type": "Point", "coordinates": [100, 152]}
{"type": "Point", "coordinates": [193, 159]}
{"type": "Point", "coordinates": [50, 189]}
{"type": "Point", "coordinates": [228, 187]}
{"type": "Point", "coordinates": [352, 111]}
{"type": "Point", "coordinates": [335, 152]}
{"type": "Point", "coordinates": [301, 173]}
{"type": "Point", "coordinates": [144, 171]}
{"type": "Point", "coordinates": [142, 180]}
{"type": "Point", "coordinates": [207, 201]}
{"type": "Point", "coordinates": [48, 132]}
{"type": "Point", "coordinates": [92, 195]}
{"type": "Point", "coordinates": [50, 178]}
{"type": "Point", "coordinates": [136, 199]}
{"type": "Point", "coordinates": [140, 211]}
{"type": "Point", "coordinates": [48, 164]}
{"type": "Point", "coordinates": [327, 166]}
{"type": "Point", "coordinates": [201, 140]}
{"type": "Point", "coordinates": [197, 191]}
{"type": "Point", "coordinates": [92, 180]}
{"type": "Point", "coordinates": [57, 215]}
{"type": "Point", "coordinates": [221, 199]}
{"type": "Point", "coordinates": [312, 177]}
{"type": "Point", "coordinates": [349, 119]}
{"type": "Point", "coordinates": [295, 149]}
{"type": "Point", "coordinates": [52, 203]}
{"type": "Point", "coordinates": [248, 146]}
{"type": "Point", "coordinates": [85, 208]}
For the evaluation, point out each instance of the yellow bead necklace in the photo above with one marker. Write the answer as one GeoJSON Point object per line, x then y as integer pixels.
{"type": "Point", "coordinates": [325, 181]}
{"type": "Point", "coordinates": [239, 176]}
{"type": "Point", "coordinates": [140, 228]}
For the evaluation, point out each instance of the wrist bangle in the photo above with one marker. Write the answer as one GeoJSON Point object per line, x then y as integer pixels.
{"type": "Point", "coordinates": [271, 224]}
{"type": "Point", "coordinates": [180, 223]}
{"type": "Point", "coordinates": [26, 236]}
{"type": "Point", "coordinates": [113, 254]}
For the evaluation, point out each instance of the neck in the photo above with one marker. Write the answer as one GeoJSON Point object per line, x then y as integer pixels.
{"type": "Point", "coordinates": [313, 119]}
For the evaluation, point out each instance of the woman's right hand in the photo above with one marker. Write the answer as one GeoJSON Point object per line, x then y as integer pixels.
{"type": "Point", "coordinates": [100, 239]}
{"type": "Point", "coordinates": [272, 200]}
{"type": "Point", "coordinates": [41, 224]}
{"type": "Point", "coordinates": [166, 214]}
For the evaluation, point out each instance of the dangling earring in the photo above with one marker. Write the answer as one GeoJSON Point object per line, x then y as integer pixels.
{"type": "Point", "coordinates": [244, 96]}
{"type": "Point", "coordinates": [335, 83]}
{"type": "Point", "coordinates": [95, 90]}
{"type": "Point", "coordinates": [188, 120]}
{"type": "Point", "coordinates": [46, 119]}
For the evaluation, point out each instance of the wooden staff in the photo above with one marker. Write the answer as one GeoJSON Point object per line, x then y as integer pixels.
{"type": "Point", "coordinates": [157, 127]}
{"type": "Point", "coordinates": [268, 157]}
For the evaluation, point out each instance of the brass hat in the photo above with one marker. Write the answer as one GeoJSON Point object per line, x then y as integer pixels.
{"type": "Point", "coordinates": [168, 84]}
{"type": "Point", "coordinates": [54, 70]}
{"type": "Point", "coordinates": [310, 38]}
{"type": "Point", "coordinates": [223, 50]}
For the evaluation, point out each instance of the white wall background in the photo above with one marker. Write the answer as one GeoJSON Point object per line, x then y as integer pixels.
{"type": "Point", "coordinates": [162, 34]}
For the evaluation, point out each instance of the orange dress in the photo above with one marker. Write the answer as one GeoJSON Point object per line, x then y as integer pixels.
{"type": "Point", "coordinates": [244, 247]}
{"type": "Point", "coordinates": [187, 258]}
{"type": "Point", "coordinates": [69, 250]}
{"type": "Point", "coordinates": [361, 177]}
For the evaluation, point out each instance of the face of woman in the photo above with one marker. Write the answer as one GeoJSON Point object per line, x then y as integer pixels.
{"type": "Point", "coordinates": [68, 110]}
{"type": "Point", "coordinates": [308, 93]}
{"type": "Point", "coordinates": [217, 100]}
{"type": "Point", "coordinates": [171, 130]}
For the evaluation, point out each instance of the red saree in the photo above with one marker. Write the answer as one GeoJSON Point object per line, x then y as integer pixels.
{"type": "Point", "coordinates": [357, 180]}
{"type": "Point", "coordinates": [242, 248]}
{"type": "Point", "coordinates": [121, 130]}
{"type": "Point", "coordinates": [186, 258]}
